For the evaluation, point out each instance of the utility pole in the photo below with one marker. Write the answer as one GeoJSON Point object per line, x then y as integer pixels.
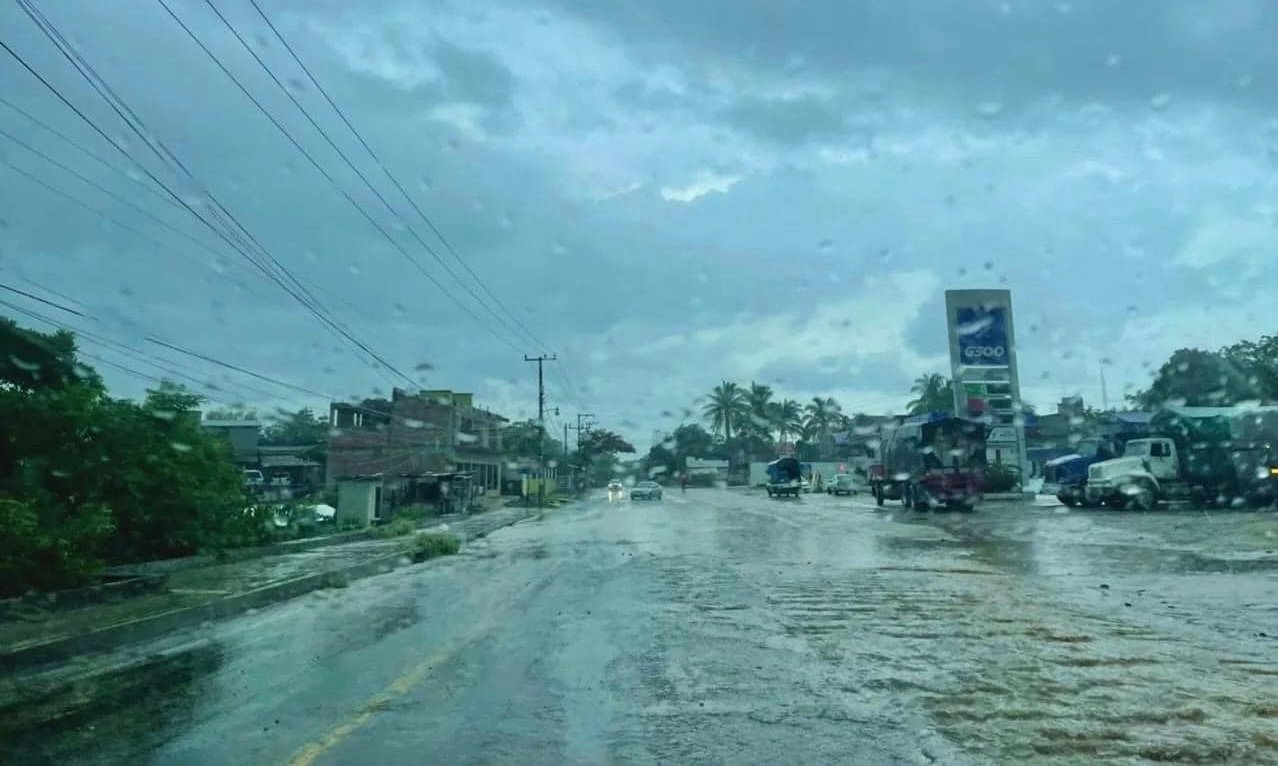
{"type": "Point", "coordinates": [578, 428]}
{"type": "Point", "coordinates": [541, 421]}
{"type": "Point", "coordinates": [1104, 393]}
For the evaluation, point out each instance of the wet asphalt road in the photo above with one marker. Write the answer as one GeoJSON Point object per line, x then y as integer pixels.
{"type": "Point", "coordinates": [725, 627]}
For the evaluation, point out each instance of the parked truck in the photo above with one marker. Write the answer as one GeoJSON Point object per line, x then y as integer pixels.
{"type": "Point", "coordinates": [1205, 454]}
{"type": "Point", "coordinates": [931, 460]}
{"type": "Point", "coordinates": [1066, 476]}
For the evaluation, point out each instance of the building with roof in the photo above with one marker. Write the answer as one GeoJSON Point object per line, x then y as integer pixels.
{"type": "Point", "coordinates": [415, 434]}
{"type": "Point", "coordinates": [242, 435]}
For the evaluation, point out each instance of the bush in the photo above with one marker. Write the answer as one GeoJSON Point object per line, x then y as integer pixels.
{"type": "Point", "coordinates": [398, 527]}
{"type": "Point", "coordinates": [1000, 478]}
{"type": "Point", "coordinates": [417, 512]}
{"type": "Point", "coordinates": [429, 545]}
{"type": "Point", "coordinates": [60, 550]}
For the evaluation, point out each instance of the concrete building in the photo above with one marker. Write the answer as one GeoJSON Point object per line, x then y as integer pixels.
{"type": "Point", "coordinates": [415, 434]}
{"type": "Point", "coordinates": [242, 435]}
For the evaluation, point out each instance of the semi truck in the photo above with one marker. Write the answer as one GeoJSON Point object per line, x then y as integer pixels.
{"type": "Point", "coordinates": [1207, 454]}
{"type": "Point", "coordinates": [1066, 476]}
{"type": "Point", "coordinates": [931, 460]}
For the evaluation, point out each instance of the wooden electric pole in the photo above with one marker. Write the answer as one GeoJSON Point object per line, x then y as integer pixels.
{"type": "Point", "coordinates": [541, 422]}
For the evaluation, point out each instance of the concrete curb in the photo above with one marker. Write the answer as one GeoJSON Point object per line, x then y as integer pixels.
{"type": "Point", "coordinates": [168, 566]}
{"type": "Point", "coordinates": [145, 628]}
{"type": "Point", "coordinates": [109, 637]}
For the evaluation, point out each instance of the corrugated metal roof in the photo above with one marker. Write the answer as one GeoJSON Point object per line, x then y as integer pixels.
{"type": "Point", "coordinates": [287, 461]}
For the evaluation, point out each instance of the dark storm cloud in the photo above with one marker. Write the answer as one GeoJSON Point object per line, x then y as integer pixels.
{"type": "Point", "coordinates": [1082, 49]}
{"type": "Point", "coordinates": [473, 75]}
{"type": "Point", "coordinates": [785, 121]}
{"type": "Point", "coordinates": [769, 190]}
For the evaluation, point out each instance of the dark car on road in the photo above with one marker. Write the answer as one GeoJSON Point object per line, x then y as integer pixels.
{"type": "Point", "coordinates": [646, 490]}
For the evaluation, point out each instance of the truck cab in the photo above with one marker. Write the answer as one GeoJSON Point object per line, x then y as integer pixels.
{"type": "Point", "coordinates": [1066, 476]}
{"type": "Point", "coordinates": [1150, 470]}
{"type": "Point", "coordinates": [1158, 456]}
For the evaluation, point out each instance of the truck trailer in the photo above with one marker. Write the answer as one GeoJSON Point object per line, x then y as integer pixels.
{"type": "Point", "coordinates": [1212, 455]}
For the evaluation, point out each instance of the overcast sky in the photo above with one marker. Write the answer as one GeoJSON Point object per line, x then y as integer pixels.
{"type": "Point", "coordinates": [667, 193]}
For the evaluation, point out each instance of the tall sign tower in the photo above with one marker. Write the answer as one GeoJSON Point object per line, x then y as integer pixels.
{"type": "Point", "coordinates": [983, 368]}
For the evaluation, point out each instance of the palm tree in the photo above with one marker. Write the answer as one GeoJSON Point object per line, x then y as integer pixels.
{"type": "Point", "coordinates": [787, 418]}
{"type": "Point", "coordinates": [820, 416]}
{"type": "Point", "coordinates": [726, 407]}
{"type": "Point", "coordinates": [758, 421]}
{"type": "Point", "coordinates": [932, 393]}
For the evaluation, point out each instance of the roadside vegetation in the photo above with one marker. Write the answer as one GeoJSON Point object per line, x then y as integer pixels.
{"type": "Point", "coordinates": [429, 545]}
{"type": "Point", "coordinates": [87, 480]}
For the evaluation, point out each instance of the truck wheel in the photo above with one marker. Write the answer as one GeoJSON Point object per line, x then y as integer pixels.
{"type": "Point", "coordinates": [1067, 500]}
{"type": "Point", "coordinates": [1117, 501]}
{"type": "Point", "coordinates": [1141, 496]}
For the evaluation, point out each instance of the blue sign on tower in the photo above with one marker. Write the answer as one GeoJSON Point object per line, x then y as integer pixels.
{"type": "Point", "coordinates": [982, 336]}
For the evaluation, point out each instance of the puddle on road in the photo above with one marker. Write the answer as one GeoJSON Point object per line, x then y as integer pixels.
{"type": "Point", "coordinates": [1010, 675]}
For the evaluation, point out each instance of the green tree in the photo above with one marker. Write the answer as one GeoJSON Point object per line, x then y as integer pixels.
{"type": "Point", "coordinates": [687, 440]}
{"type": "Point", "coordinates": [1258, 360]}
{"type": "Point", "coordinates": [598, 453]}
{"type": "Point", "coordinates": [1199, 378]}
{"type": "Point", "coordinates": [691, 440]}
{"type": "Point", "coordinates": [932, 393]}
{"type": "Point", "coordinates": [523, 440]}
{"type": "Point", "coordinates": [726, 409]}
{"type": "Point", "coordinates": [87, 480]}
{"type": "Point", "coordinates": [296, 428]}
{"type": "Point", "coordinates": [821, 416]}
{"type": "Point", "coordinates": [601, 441]}
{"type": "Point", "coordinates": [758, 421]}
{"type": "Point", "coordinates": [787, 419]}
{"type": "Point", "coordinates": [31, 360]}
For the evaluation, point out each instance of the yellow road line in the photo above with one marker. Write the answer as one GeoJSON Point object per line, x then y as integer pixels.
{"type": "Point", "coordinates": [309, 754]}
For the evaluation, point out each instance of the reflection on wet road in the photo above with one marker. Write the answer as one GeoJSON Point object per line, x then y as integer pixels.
{"type": "Point", "coordinates": [725, 627]}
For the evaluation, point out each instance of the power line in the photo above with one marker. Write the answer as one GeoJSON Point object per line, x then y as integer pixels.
{"type": "Point", "coordinates": [229, 366]}
{"type": "Point", "coordinates": [359, 173]}
{"type": "Point", "coordinates": [38, 299]}
{"type": "Point", "coordinates": [137, 374]}
{"type": "Point", "coordinates": [114, 221]}
{"type": "Point", "coordinates": [88, 152]}
{"type": "Point", "coordinates": [104, 190]}
{"type": "Point", "coordinates": [124, 349]}
{"type": "Point", "coordinates": [327, 176]}
{"type": "Point", "coordinates": [386, 171]}
{"type": "Point", "coordinates": [301, 294]}
{"type": "Point", "coordinates": [106, 342]}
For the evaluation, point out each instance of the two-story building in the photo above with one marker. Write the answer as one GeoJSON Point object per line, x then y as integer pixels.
{"type": "Point", "coordinates": [415, 434]}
